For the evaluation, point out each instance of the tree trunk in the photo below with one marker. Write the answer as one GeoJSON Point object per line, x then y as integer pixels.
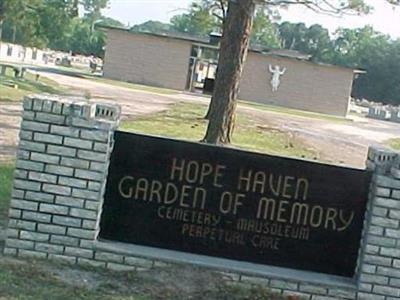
{"type": "Point", "coordinates": [1, 28]}
{"type": "Point", "coordinates": [233, 52]}
{"type": "Point", "coordinates": [75, 8]}
{"type": "Point", "coordinates": [211, 107]}
{"type": "Point", "coordinates": [14, 34]}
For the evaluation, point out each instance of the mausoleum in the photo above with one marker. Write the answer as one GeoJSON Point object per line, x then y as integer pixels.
{"type": "Point", "coordinates": [280, 77]}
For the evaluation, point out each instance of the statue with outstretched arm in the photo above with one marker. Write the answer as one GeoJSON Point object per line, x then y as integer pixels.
{"type": "Point", "coordinates": [277, 72]}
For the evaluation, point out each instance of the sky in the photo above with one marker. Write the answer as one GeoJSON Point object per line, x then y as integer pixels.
{"type": "Point", "coordinates": [384, 17]}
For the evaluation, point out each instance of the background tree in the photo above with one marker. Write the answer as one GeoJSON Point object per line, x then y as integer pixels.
{"type": "Point", "coordinates": [2, 16]}
{"type": "Point", "coordinates": [84, 40]}
{"type": "Point", "coordinates": [378, 55]}
{"type": "Point", "coordinates": [14, 18]}
{"type": "Point", "coordinates": [314, 40]}
{"type": "Point", "coordinates": [206, 16]}
{"type": "Point", "coordinates": [203, 17]}
{"type": "Point", "coordinates": [152, 26]}
{"type": "Point", "coordinates": [265, 32]}
{"type": "Point", "coordinates": [53, 20]}
{"type": "Point", "coordinates": [55, 24]}
{"type": "Point", "coordinates": [93, 10]}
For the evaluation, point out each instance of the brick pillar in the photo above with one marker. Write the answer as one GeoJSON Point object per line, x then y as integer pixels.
{"type": "Point", "coordinates": [61, 170]}
{"type": "Point", "coordinates": [379, 271]}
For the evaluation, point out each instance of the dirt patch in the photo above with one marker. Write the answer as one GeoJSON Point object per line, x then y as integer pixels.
{"type": "Point", "coordinates": [40, 279]}
{"type": "Point", "coordinates": [75, 277]}
{"type": "Point", "coordinates": [10, 119]}
{"type": "Point", "coordinates": [336, 143]}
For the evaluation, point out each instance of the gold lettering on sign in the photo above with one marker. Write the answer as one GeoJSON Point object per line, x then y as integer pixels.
{"type": "Point", "coordinates": [170, 193]}
{"type": "Point", "coordinates": [273, 229]}
{"type": "Point", "coordinates": [299, 210]}
{"type": "Point", "coordinates": [218, 175]}
{"type": "Point", "coordinates": [188, 215]}
{"type": "Point", "coordinates": [229, 202]}
{"type": "Point", "coordinates": [125, 193]}
{"type": "Point", "coordinates": [244, 179]}
{"type": "Point", "coordinates": [346, 223]}
{"type": "Point", "coordinates": [184, 195]}
{"type": "Point", "coordinates": [199, 195]}
{"type": "Point", "coordinates": [281, 211]}
{"type": "Point", "coordinates": [265, 206]}
{"type": "Point", "coordinates": [305, 214]}
{"type": "Point", "coordinates": [316, 216]}
{"type": "Point", "coordinates": [259, 182]}
{"type": "Point", "coordinates": [176, 168]}
{"type": "Point", "coordinates": [331, 215]}
{"type": "Point", "coordinates": [192, 171]}
{"type": "Point", "coordinates": [206, 169]}
{"type": "Point", "coordinates": [195, 172]}
{"type": "Point", "coordinates": [265, 242]}
{"type": "Point", "coordinates": [215, 234]}
{"type": "Point", "coordinates": [142, 185]}
{"type": "Point", "coordinates": [301, 189]}
{"type": "Point", "coordinates": [288, 187]}
{"type": "Point", "coordinates": [155, 189]}
{"type": "Point", "coordinates": [275, 188]}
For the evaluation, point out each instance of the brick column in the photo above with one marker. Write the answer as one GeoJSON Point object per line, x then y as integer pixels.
{"type": "Point", "coordinates": [379, 271]}
{"type": "Point", "coordinates": [61, 170]}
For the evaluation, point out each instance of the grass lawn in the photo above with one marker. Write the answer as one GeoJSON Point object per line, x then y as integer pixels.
{"type": "Point", "coordinates": [393, 143]}
{"type": "Point", "coordinates": [185, 121]}
{"type": "Point", "coordinates": [38, 280]}
{"type": "Point", "coordinates": [134, 86]}
{"type": "Point", "coordinates": [6, 178]}
{"type": "Point", "coordinates": [27, 85]}
{"type": "Point", "coordinates": [260, 106]}
{"type": "Point", "coordinates": [294, 112]}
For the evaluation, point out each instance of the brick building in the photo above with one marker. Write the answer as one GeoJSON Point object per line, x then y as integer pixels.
{"type": "Point", "coordinates": [185, 63]}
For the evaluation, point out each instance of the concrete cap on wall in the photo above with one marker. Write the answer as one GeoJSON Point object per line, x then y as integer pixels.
{"type": "Point", "coordinates": [395, 170]}
{"type": "Point", "coordinates": [74, 107]}
{"type": "Point", "coordinates": [381, 159]}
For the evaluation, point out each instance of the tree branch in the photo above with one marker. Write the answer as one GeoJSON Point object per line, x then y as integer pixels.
{"type": "Point", "coordinates": [223, 8]}
{"type": "Point", "coordinates": [322, 6]}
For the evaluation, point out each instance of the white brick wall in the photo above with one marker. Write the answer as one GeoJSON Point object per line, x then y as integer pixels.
{"type": "Point", "coordinates": [380, 268]}
{"type": "Point", "coordinates": [61, 170]}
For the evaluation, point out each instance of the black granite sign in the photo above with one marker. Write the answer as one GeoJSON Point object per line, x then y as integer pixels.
{"type": "Point", "coordinates": [234, 204]}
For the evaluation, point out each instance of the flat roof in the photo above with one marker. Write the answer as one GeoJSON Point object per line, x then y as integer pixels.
{"type": "Point", "coordinates": [283, 53]}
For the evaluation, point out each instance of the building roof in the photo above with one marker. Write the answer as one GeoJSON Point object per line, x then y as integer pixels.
{"type": "Point", "coordinates": [285, 53]}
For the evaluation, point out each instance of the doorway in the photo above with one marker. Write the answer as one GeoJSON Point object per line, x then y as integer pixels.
{"type": "Point", "coordinates": [203, 65]}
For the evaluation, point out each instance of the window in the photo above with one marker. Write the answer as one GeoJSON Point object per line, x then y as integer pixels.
{"type": "Point", "coordinates": [195, 51]}
{"type": "Point", "coordinates": [9, 50]}
{"type": "Point", "coordinates": [209, 53]}
{"type": "Point", "coordinates": [34, 54]}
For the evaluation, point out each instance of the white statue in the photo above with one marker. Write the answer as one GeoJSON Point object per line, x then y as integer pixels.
{"type": "Point", "coordinates": [276, 74]}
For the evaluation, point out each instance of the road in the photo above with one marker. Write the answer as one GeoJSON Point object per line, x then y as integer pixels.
{"type": "Point", "coordinates": [343, 143]}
